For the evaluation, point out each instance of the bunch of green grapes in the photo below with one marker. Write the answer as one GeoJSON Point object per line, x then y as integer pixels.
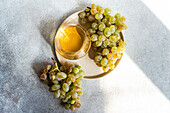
{"type": "Point", "coordinates": [65, 83]}
{"type": "Point", "coordinates": [104, 34]}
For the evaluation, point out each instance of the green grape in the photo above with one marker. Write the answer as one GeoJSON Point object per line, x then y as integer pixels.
{"type": "Point", "coordinates": [53, 77]}
{"type": "Point", "coordinates": [68, 95]}
{"type": "Point", "coordinates": [112, 20]}
{"type": "Point", "coordinates": [83, 21]}
{"type": "Point", "coordinates": [78, 81]}
{"type": "Point", "coordinates": [93, 11]}
{"type": "Point", "coordinates": [71, 76]}
{"type": "Point", "coordinates": [94, 37]}
{"type": "Point", "coordinates": [91, 31]}
{"type": "Point", "coordinates": [77, 105]}
{"type": "Point", "coordinates": [62, 68]}
{"type": "Point", "coordinates": [97, 7]}
{"type": "Point", "coordinates": [65, 100]}
{"type": "Point", "coordinates": [78, 100]}
{"type": "Point", "coordinates": [108, 23]}
{"type": "Point", "coordinates": [125, 26]}
{"type": "Point", "coordinates": [65, 87]}
{"type": "Point", "coordinates": [72, 108]}
{"type": "Point", "coordinates": [93, 6]}
{"type": "Point", "coordinates": [55, 81]}
{"type": "Point", "coordinates": [122, 27]}
{"type": "Point", "coordinates": [50, 75]}
{"type": "Point", "coordinates": [73, 94]}
{"type": "Point", "coordinates": [110, 55]}
{"type": "Point", "coordinates": [107, 32]}
{"type": "Point", "coordinates": [70, 67]}
{"type": "Point", "coordinates": [112, 28]}
{"type": "Point", "coordinates": [79, 93]}
{"type": "Point", "coordinates": [102, 27]}
{"type": "Point", "coordinates": [79, 67]}
{"type": "Point", "coordinates": [91, 18]}
{"type": "Point", "coordinates": [72, 101]}
{"type": "Point", "coordinates": [55, 87]}
{"type": "Point", "coordinates": [107, 16]}
{"type": "Point", "coordinates": [105, 51]}
{"type": "Point", "coordinates": [98, 16]}
{"type": "Point", "coordinates": [112, 66]}
{"type": "Point", "coordinates": [43, 76]}
{"type": "Point", "coordinates": [81, 73]}
{"type": "Point", "coordinates": [102, 38]}
{"type": "Point", "coordinates": [76, 88]}
{"type": "Point", "coordinates": [103, 46]}
{"type": "Point", "coordinates": [113, 38]}
{"type": "Point", "coordinates": [97, 21]}
{"type": "Point", "coordinates": [87, 10]}
{"type": "Point", "coordinates": [122, 44]}
{"type": "Point", "coordinates": [62, 96]}
{"type": "Point", "coordinates": [62, 92]}
{"type": "Point", "coordinates": [118, 22]}
{"type": "Point", "coordinates": [114, 50]}
{"type": "Point", "coordinates": [111, 61]}
{"type": "Point", "coordinates": [94, 25]}
{"type": "Point", "coordinates": [100, 32]}
{"type": "Point", "coordinates": [82, 14]}
{"type": "Point", "coordinates": [104, 20]}
{"type": "Point", "coordinates": [57, 94]}
{"type": "Point", "coordinates": [117, 16]}
{"type": "Point", "coordinates": [107, 11]}
{"type": "Point", "coordinates": [104, 62]}
{"type": "Point", "coordinates": [67, 106]}
{"type": "Point", "coordinates": [76, 76]}
{"type": "Point", "coordinates": [88, 14]}
{"type": "Point", "coordinates": [75, 84]}
{"type": "Point", "coordinates": [75, 70]}
{"type": "Point", "coordinates": [98, 58]}
{"type": "Point", "coordinates": [61, 75]}
{"type": "Point", "coordinates": [98, 43]}
{"type": "Point", "coordinates": [116, 32]}
{"type": "Point", "coordinates": [44, 70]}
{"type": "Point", "coordinates": [105, 69]}
{"type": "Point", "coordinates": [122, 19]}
{"type": "Point", "coordinates": [107, 42]}
{"type": "Point", "coordinates": [48, 67]}
{"type": "Point", "coordinates": [68, 81]}
{"type": "Point", "coordinates": [112, 44]}
{"type": "Point", "coordinates": [101, 10]}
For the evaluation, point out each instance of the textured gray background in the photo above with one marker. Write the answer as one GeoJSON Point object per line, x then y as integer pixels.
{"type": "Point", "coordinates": [25, 26]}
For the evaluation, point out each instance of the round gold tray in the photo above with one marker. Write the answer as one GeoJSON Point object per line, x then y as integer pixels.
{"type": "Point", "coordinates": [87, 63]}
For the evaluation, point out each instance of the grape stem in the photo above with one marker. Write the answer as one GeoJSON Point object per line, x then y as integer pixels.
{"type": "Point", "coordinates": [89, 7]}
{"type": "Point", "coordinates": [55, 63]}
{"type": "Point", "coordinates": [49, 61]}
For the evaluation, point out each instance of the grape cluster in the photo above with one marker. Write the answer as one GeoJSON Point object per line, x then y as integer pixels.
{"type": "Point", "coordinates": [104, 34]}
{"type": "Point", "coordinates": [65, 83]}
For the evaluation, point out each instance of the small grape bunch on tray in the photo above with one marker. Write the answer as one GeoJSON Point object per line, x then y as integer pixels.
{"type": "Point", "coordinates": [104, 34]}
{"type": "Point", "coordinates": [65, 83]}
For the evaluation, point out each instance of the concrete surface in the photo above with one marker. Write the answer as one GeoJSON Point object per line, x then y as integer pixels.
{"type": "Point", "coordinates": [140, 84]}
